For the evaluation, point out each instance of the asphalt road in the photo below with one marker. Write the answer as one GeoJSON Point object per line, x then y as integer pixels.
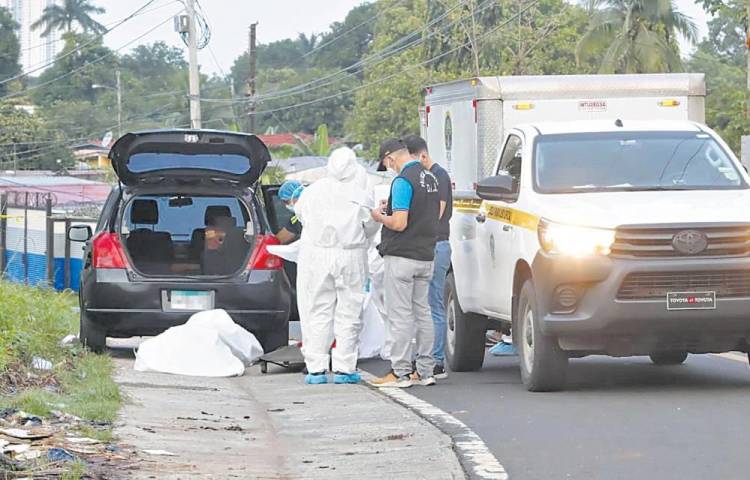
{"type": "Point", "coordinates": [617, 419]}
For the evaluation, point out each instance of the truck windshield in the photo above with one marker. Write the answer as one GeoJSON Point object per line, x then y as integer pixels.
{"type": "Point", "coordinates": [637, 161]}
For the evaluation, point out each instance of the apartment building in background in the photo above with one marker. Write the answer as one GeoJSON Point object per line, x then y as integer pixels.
{"type": "Point", "coordinates": [36, 51]}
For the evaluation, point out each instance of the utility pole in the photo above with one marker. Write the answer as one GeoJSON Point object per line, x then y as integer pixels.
{"type": "Point", "coordinates": [195, 89]}
{"type": "Point", "coordinates": [119, 103]}
{"type": "Point", "coordinates": [251, 82]}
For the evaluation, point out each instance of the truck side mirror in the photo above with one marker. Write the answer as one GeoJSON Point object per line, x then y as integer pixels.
{"type": "Point", "coordinates": [499, 187]}
{"type": "Point", "coordinates": [79, 233]}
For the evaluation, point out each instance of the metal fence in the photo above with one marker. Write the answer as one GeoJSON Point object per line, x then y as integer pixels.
{"type": "Point", "coordinates": [34, 245]}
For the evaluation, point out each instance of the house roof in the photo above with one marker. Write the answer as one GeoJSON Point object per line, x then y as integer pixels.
{"type": "Point", "coordinates": [280, 139]}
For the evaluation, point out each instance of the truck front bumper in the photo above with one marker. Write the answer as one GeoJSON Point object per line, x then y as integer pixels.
{"type": "Point", "coordinates": [604, 322]}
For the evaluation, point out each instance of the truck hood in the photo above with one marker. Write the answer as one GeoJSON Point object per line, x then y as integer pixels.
{"type": "Point", "coordinates": [614, 209]}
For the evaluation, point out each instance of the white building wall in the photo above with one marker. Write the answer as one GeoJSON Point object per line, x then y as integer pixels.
{"type": "Point", "coordinates": [36, 51]}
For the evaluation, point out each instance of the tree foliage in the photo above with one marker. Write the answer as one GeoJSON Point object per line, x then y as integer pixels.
{"type": "Point", "coordinates": [66, 16]}
{"type": "Point", "coordinates": [10, 49]}
{"type": "Point", "coordinates": [722, 57]}
{"type": "Point", "coordinates": [639, 36]}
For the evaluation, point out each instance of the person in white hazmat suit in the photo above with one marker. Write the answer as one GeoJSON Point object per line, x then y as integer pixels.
{"type": "Point", "coordinates": [332, 267]}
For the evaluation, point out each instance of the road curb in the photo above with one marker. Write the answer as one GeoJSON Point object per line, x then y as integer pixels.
{"type": "Point", "coordinates": [475, 458]}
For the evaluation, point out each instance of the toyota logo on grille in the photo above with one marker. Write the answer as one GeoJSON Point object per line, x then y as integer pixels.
{"type": "Point", "coordinates": [690, 242]}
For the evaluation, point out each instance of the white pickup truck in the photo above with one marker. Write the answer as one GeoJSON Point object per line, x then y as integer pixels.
{"type": "Point", "coordinates": [611, 236]}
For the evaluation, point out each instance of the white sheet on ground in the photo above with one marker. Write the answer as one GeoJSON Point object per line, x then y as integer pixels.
{"type": "Point", "coordinates": [210, 344]}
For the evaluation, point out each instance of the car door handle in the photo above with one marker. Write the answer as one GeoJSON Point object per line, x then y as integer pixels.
{"type": "Point", "coordinates": [481, 218]}
{"type": "Point", "coordinates": [507, 228]}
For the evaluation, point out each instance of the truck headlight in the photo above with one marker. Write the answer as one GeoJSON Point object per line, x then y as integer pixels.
{"type": "Point", "coordinates": [559, 239]}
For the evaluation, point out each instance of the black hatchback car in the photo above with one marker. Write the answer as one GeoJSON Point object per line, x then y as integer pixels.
{"type": "Point", "coordinates": [185, 230]}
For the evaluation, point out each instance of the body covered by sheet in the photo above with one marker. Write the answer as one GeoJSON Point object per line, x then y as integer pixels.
{"type": "Point", "coordinates": [210, 344]}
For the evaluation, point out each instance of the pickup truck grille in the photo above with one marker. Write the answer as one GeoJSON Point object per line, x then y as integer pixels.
{"type": "Point", "coordinates": [659, 242]}
{"type": "Point", "coordinates": [652, 285]}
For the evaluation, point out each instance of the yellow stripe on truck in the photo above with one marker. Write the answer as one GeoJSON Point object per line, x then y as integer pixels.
{"type": "Point", "coordinates": [511, 216]}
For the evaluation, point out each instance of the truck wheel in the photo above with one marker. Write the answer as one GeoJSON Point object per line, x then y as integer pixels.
{"type": "Point", "coordinates": [543, 362]}
{"type": "Point", "coordinates": [465, 332]}
{"type": "Point", "coordinates": [92, 335]}
{"type": "Point", "coordinates": [668, 358]}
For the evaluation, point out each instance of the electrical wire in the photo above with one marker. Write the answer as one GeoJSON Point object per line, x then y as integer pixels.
{"type": "Point", "coordinates": [406, 69]}
{"type": "Point", "coordinates": [93, 62]}
{"type": "Point", "coordinates": [377, 58]}
{"type": "Point", "coordinates": [94, 39]}
{"type": "Point", "coordinates": [340, 36]}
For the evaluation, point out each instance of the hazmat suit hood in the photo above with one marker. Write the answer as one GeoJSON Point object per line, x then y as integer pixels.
{"type": "Point", "coordinates": [335, 211]}
{"type": "Point", "coordinates": [342, 165]}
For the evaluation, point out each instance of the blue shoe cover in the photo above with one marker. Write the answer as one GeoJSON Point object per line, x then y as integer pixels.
{"type": "Point", "coordinates": [313, 379]}
{"type": "Point", "coordinates": [503, 349]}
{"type": "Point", "coordinates": [349, 378]}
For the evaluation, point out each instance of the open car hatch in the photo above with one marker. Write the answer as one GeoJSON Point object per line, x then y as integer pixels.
{"type": "Point", "coordinates": [189, 155]}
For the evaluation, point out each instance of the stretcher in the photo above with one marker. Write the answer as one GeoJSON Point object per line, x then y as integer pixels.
{"type": "Point", "coordinates": [289, 357]}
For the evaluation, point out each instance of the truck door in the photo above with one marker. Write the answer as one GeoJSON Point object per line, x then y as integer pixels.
{"type": "Point", "coordinates": [495, 238]}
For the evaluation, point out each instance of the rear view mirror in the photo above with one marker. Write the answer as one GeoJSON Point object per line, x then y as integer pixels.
{"type": "Point", "coordinates": [79, 233]}
{"type": "Point", "coordinates": [499, 187]}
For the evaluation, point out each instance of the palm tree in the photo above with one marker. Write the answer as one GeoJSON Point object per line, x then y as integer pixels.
{"type": "Point", "coordinates": [72, 12]}
{"type": "Point", "coordinates": [637, 36]}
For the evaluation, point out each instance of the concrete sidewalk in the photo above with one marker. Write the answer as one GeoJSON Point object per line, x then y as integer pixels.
{"type": "Point", "coordinates": [275, 427]}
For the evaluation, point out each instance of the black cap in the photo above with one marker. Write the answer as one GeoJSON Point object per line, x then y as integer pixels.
{"type": "Point", "coordinates": [415, 144]}
{"type": "Point", "coordinates": [388, 147]}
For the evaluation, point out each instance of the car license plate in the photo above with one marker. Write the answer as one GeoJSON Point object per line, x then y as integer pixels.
{"type": "Point", "coordinates": [190, 300]}
{"type": "Point", "coordinates": [691, 301]}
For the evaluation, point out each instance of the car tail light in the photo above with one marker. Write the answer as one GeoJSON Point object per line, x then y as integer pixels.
{"type": "Point", "coordinates": [261, 259]}
{"type": "Point", "coordinates": [107, 251]}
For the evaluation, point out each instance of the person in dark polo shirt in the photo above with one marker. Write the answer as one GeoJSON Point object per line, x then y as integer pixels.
{"type": "Point", "coordinates": [418, 149]}
{"type": "Point", "coordinates": [410, 223]}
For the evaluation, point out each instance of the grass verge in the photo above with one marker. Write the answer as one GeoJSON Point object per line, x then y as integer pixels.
{"type": "Point", "coordinates": [32, 322]}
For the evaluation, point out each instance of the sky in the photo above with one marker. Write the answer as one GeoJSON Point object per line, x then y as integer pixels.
{"type": "Point", "coordinates": [230, 20]}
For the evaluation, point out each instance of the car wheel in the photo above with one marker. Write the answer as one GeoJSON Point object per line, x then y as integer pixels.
{"type": "Point", "coordinates": [543, 363]}
{"type": "Point", "coordinates": [465, 332]}
{"type": "Point", "coordinates": [668, 358]}
{"type": "Point", "coordinates": [92, 335]}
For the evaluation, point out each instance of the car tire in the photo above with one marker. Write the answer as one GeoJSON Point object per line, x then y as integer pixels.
{"type": "Point", "coordinates": [92, 335]}
{"type": "Point", "coordinates": [465, 333]}
{"type": "Point", "coordinates": [668, 358]}
{"type": "Point", "coordinates": [543, 363]}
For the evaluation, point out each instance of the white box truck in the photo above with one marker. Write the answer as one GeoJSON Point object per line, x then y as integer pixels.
{"type": "Point", "coordinates": [593, 215]}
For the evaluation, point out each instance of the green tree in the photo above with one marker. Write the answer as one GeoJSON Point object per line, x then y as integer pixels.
{"type": "Point", "coordinates": [348, 41]}
{"type": "Point", "coordinates": [388, 106]}
{"type": "Point", "coordinates": [722, 56]}
{"type": "Point", "coordinates": [64, 17]}
{"type": "Point", "coordinates": [25, 143]}
{"type": "Point", "coordinates": [10, 49]}
{"type": "Point", "coordinates": [640, 36]}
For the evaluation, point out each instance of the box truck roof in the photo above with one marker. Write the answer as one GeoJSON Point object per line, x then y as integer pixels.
{"type": "Point", "coordinates": [570, 86]}
{"type": "Point", "coordinates": [604, 126]}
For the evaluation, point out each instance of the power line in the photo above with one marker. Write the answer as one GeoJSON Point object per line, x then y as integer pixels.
{"type": "Point", "coordinates": [77, 49]}
{"type": "Point", "coordinates": [93, 62]}
{"type": "Point", "coordinates": [378, 57]}
{"type": "Point", "coordinates": [340, 36]}
{"type": "Point", "coordinates": [46, 44]}
{"type": "Point", "coordinates": [409, 68]}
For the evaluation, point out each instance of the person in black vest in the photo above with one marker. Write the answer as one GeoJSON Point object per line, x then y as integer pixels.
{"type": "Point", "coordinates": [410, 223]}
{"type": "Point", "coordinates": [418, 149]}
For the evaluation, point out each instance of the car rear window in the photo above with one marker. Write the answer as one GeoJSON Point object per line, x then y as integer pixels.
{"type": "Point", "coordinates": [179, 219]}
{"type": "Point", "coordinates": [226, 163]}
